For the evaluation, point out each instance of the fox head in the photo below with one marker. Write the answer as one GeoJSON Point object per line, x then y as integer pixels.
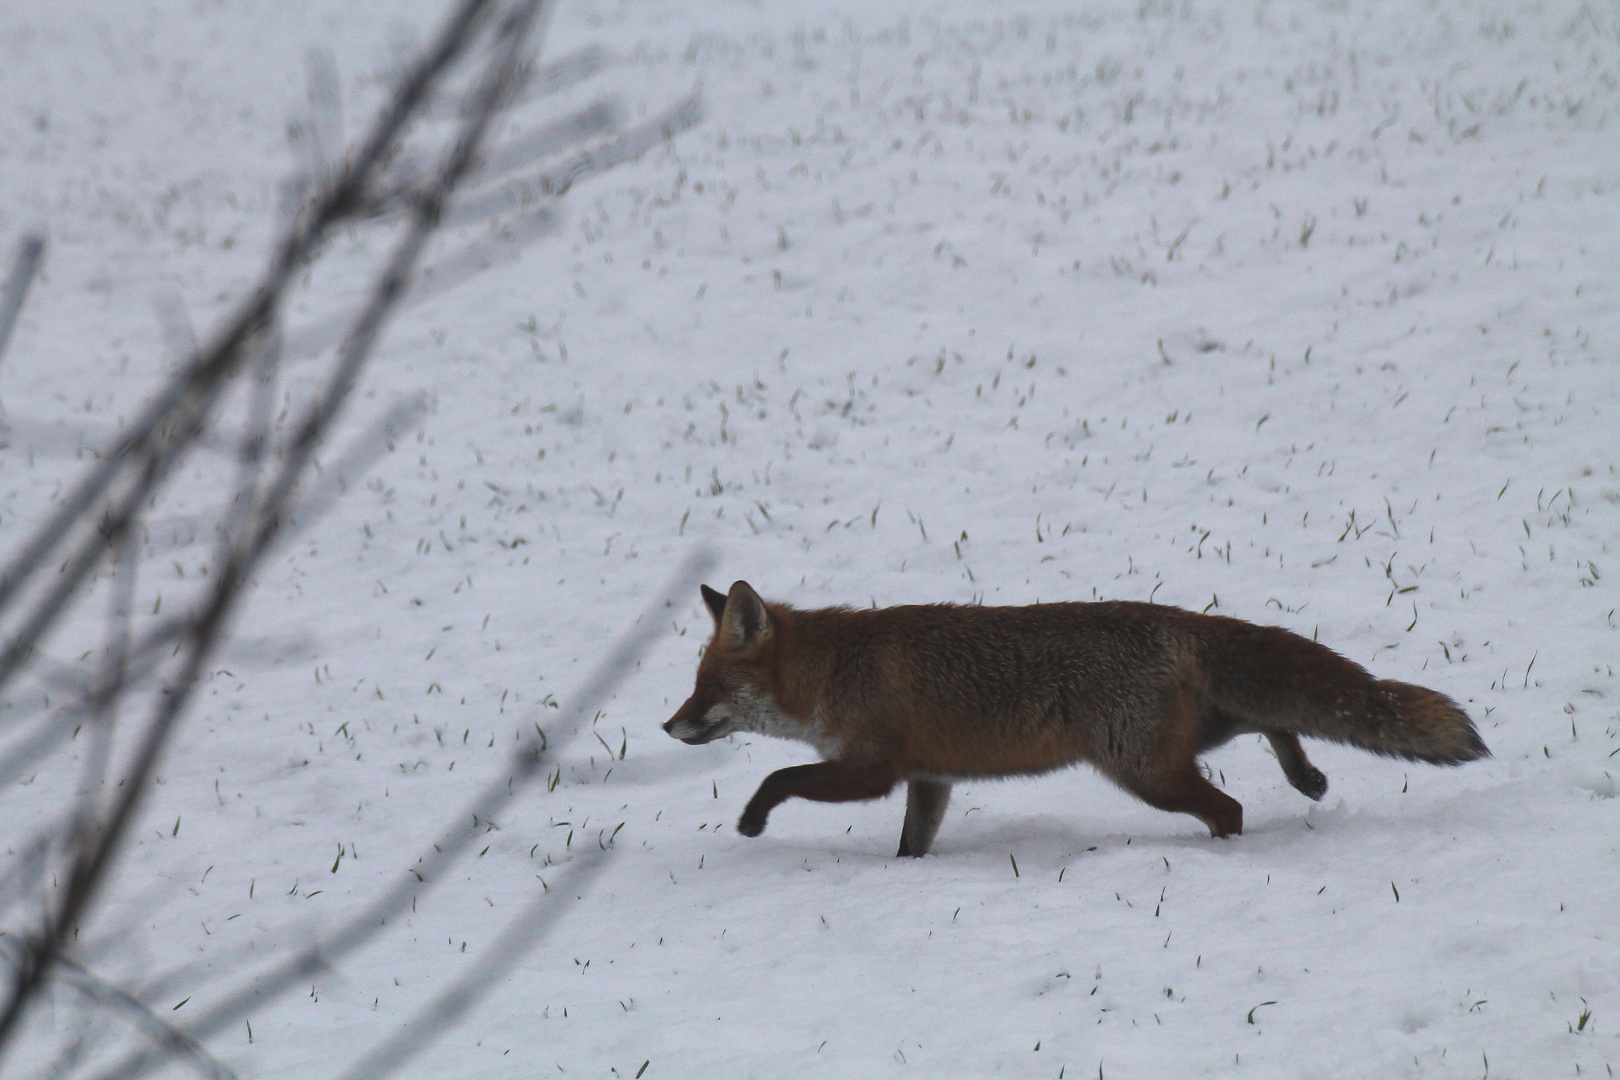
{"type": "Point", "coordinates": [734, 681]}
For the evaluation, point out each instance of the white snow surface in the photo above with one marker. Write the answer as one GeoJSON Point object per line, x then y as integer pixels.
{"type": "Point", "coordinates": [1304, 313]}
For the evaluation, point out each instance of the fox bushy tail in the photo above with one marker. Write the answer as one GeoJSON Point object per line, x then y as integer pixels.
{"type": "Point", "coordinates": [1277, 680]}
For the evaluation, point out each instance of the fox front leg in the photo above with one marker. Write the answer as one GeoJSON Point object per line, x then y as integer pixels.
{"type": "Point", "coordinates": [828, 781]}
{"type": "Point", "coordinates": [925, 809]}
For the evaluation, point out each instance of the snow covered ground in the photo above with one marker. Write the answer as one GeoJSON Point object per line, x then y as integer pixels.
{"type": "Point", "coordinates": [1302, 313]}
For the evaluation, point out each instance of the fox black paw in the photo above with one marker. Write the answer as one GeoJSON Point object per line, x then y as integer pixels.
{"type": "Point", "coordinates": [750, 825]}
{"type": "Point", "coordinates": [1310, 783]}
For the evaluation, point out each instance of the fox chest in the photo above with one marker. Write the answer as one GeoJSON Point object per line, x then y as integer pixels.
{"type": "Point", "coordinates": [760, 714]}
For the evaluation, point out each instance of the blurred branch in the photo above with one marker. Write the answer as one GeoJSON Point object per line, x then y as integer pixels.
{"type": "Point", "coordinates": [324, 126]}
{"type": "Point", "coordinates": [15, 290]}
{"type": "Point", "coordinates": [145, 657]}
{"type": "Point", "coordinates": [521, 935]}
{"type": "Point", "coordinates": [538, 80]}
{"type": "Point", "coordinates": [436, 279]}
{"type": "Point", "coordinates": [554, 182]}
{"type": "Point", "coordinates": [181, 415]}
{"type": "Point", "coordinates": [178, 416]}
{"type": "Point", "coordinates": [525, 150]}
{"type": "Point", "coordinates": [524, 765]}
{"type": "Point", "coordinates": [101, 991]}
{"type": "Point", "coordinates": [100, 520]}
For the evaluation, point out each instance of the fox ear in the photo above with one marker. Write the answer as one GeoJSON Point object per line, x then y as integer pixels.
{"type": "Point", "coordinates": [716, 602]}
{"type": "Point", "coordinates": [745, 622]}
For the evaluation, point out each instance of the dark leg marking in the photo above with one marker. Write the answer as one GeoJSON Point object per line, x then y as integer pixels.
{"type": "Point", "coordinates": [1307, 778]}
{"type": "Point", "coordinates": [925, 809]}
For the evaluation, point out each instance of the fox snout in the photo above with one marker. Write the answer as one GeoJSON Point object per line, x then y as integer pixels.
{"type": "Point", "coordinates": [695, 725]}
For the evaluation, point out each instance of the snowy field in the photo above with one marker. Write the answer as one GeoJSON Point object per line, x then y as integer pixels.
{"type": "Point", "coordinates": [1307, 314]}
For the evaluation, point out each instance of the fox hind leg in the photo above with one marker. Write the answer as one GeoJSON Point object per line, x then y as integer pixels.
{"type": "Point", "coordinates": [1184, 791]}
{"type": "Point", "coordinates": [1305, 777]}
{"type": "Point", "coordinates": [1169, 779]}
{"type": "Point", "coordinates": [925, 809]}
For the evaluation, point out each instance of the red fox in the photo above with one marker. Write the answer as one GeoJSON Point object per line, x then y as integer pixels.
{"type": "Point", "coordinates": [931, 694]}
